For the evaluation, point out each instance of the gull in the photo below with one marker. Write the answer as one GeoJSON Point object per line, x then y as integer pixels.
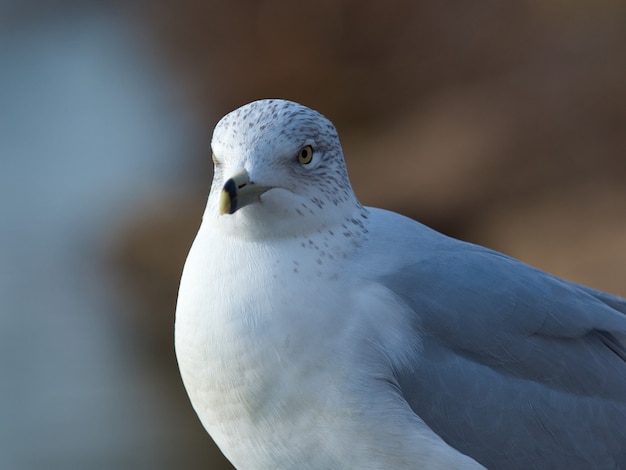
{"type": "Point", "coordinates": [314, 332]}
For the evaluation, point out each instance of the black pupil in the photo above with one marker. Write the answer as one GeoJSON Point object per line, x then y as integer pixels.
{"type": "Point", "coordinates": [305, 154]}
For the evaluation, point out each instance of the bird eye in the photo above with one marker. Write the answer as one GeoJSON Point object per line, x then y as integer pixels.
{"type": "Point", "coordinates": [305, 155]}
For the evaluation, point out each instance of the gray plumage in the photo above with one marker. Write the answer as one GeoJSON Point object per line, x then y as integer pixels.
{"type": "Point", "coordinates": [313, 332]}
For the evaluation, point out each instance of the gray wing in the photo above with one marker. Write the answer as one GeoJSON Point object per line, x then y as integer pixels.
{"type": "Point", "coordinates": [519, 369]}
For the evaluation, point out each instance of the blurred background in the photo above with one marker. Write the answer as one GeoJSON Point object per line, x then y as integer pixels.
{"type": "Point", "coordinates": [502, 123]}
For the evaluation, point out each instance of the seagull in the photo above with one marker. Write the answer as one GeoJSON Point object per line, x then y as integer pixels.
{"type": "Point", "coordinates": [313, 332]}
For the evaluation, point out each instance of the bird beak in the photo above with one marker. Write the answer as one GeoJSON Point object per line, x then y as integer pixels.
{"type": "Point", "coordinates": [239, 191]}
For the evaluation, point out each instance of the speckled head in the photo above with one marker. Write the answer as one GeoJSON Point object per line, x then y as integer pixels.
{"type": "Point", "coordinates": [285, 157]}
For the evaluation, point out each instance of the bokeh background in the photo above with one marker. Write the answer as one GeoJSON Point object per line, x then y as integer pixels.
{"type": "Point", "coordinates": [502, 123]}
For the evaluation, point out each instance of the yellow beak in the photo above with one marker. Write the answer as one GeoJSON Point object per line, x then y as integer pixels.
{"type": "Point", "coordinates": [239, 191]}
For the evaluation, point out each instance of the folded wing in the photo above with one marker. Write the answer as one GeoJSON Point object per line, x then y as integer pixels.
{"type": "Point", "coordinates": [519, 369]}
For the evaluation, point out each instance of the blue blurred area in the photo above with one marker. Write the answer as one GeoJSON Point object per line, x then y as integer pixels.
{"type": "Point", "coordinates": [89, 125]}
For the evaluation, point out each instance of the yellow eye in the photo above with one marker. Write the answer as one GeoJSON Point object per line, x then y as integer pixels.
{"type": "Point", "coordinates": [305, 155]}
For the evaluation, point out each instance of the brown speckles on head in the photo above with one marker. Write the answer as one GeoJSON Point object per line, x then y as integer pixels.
{"type": "Point", "coordinates": [265, 138]}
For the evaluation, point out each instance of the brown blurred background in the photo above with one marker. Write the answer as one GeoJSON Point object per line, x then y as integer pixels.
{"type": "Point", "coordinates": [501, 123]}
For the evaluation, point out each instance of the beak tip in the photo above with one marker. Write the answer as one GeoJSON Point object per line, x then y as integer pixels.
{"type": "Point", "coordinates": [225, 203]}
{"type": "Point", "coordinates": [229, 195]}
{"type": "Point", "coordinates": [239, 191]}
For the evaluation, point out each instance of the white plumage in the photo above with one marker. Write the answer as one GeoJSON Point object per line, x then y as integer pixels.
{"type": "Point", "coordinates": [312, 332]}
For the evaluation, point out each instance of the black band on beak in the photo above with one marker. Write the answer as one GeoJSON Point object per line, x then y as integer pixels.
{"type": "Point", "coordinates": [231, 188]}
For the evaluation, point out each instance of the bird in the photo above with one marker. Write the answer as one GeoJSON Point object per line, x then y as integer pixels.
{"type": "Point", "coordinates": [314, 332]}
